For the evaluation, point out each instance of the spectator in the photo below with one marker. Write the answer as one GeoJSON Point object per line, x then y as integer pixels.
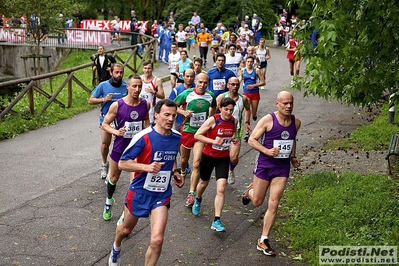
{"type": "Point", "coordinates": [196, 20]}
{"type": "Point", "coordinates": [79, 18]}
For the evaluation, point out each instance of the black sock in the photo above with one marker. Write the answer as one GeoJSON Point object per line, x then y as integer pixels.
{"type": "Point", "coordinates": [198, 199]}
{"type": "Point", "coordinates": [216, 218]}
{"type": "Point", "coordinates": [110, 189]}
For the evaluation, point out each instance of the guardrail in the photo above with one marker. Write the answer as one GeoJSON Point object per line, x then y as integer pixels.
{"type": "Point", "coordinates": [34, 83]}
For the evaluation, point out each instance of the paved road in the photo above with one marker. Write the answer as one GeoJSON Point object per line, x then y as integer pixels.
{"type": "Point", "coordinates": [52, 196]}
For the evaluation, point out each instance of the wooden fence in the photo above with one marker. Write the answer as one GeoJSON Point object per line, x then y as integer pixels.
{"type": "Point", "coordinates": [31, 84]}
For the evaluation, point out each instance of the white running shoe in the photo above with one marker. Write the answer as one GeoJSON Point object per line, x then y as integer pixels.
{"type": "Point", "coordinates": [232, 178]}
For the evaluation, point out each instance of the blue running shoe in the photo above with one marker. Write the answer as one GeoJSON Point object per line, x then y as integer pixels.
{"type": "Point", "coordinates": [114, 258]}
{"type": "Point", "coordinates": [188, 170]}
{"type": "Point", "coordinates": [196, 209]}
{"type": "Point", "coordinates": [218, 226]}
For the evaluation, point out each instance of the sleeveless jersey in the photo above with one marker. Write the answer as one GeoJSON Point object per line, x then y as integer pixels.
{"type": "Point", "coordinates": [132, 118]}
{"type": "Point", "coordinates": [278, 136]}
{"type": "Point", "coordinates": [238, 109]}
{"type": "Point", "coordinates": [173, 60]}
{"type": "Point", "coordinates": [243, 44]}
{"type": "Point", "coordinates": [197, 103]}
{"type": "Point", "coordinates": [190, 33]}
{"type": "Point", "coordinates": [250, 78]}
{"type": "Point", "coordinates": [149, 96]}
{"type": "Point", "coordinates": [183, 66]}
{"type": "Point", "coordinates": [261, 54]}
{"type": "Point", "coordinates": [149, 146]}
{"type": "Point", "coordinates": [223, 129]}
{"type": "Point", "coordinates": [233, 63]}
{"type": "Point", "coordinates": [215, 42]}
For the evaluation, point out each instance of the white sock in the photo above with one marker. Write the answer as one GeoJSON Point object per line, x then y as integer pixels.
{"type": "Point", "coordinates": [262, 238]}
{"type": "Point", "coordinates": [116, 248]}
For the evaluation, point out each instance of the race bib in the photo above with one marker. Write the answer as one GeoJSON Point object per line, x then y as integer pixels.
{"type": "Point", "coordinates": [132, 128]}
{"type": "Point", "coordinates": [219, 84]}
{"type": "Point", "coordinates": [285, 148]}
{"type": "Point", "coordinates": [215, 42]}
{"type": "Point", "coordinates": [157, 182]}
{"type": "Point", "coordinates": [262, 58]}
{"type": "Point", "coordinates": [225, 145]}
{"type": "Point", "coordinates": [203, 44]}
{"type": "Point", "coordinates": [198, 119]}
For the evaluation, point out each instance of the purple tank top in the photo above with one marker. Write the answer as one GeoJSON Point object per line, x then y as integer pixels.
{"type": "Point", "coordinates": [132, 118]}
{"type": "Point", "coordinates": [278, 136]}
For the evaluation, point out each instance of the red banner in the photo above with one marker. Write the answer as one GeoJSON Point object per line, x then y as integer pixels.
{"type": "Point", "coordinates": [93, 24]}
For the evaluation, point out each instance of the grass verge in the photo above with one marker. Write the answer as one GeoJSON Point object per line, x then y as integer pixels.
{"type": "Point", "coordinates": [12, 125]}
{"type": "Point", "coordinates": [330, 209]}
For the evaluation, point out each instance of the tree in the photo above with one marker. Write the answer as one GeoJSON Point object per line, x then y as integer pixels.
{"type": "Point", "coordinates": [40, 14]}
{"type": "Point", "coordinates": [356, 59]}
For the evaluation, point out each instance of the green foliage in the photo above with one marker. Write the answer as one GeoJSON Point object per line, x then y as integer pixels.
{"type": "Point", "coordinates": [330, 209]}
{"type": "Point", "coordinates": [356, 59]}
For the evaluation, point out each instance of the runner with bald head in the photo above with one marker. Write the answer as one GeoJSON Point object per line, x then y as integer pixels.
{"type": "Point", "coordinates": [277, 133]}
{"type": "Point", "coordinates": [242, 112]}
{"type": "Point", "coordinates": [196, 105]}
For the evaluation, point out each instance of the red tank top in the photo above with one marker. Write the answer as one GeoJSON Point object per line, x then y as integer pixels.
{"type": "Point", "coordinates": [223, 129]}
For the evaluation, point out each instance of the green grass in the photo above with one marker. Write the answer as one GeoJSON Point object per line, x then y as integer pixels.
{"type": "Point", "coordinates": [13, 125]}
{"type": "Point", "coordinates": [375, 136]}
{"type": "Point", "coordinates": [338, 210]}
{"type": "Point", "coordinates": [330, 209]}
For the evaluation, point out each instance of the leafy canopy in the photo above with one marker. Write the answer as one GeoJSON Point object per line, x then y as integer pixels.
{"type": "Point", "coordinates": [356, 59]}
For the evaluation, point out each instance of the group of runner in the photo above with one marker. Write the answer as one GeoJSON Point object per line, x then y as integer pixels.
{"type": "Point", "coordinates": [205, 113]}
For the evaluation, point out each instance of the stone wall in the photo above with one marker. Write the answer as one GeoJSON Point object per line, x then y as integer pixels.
{"type": "Point", "coordinates": [12, 64]}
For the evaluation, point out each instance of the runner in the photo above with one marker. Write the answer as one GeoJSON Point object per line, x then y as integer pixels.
{"type": "Point", "coordinates": [152, 87]}
{"type": "Point", "coordinates": [181, 38]}
{"type": "Point", "coordinates": [219, 75]}
{"type": "Point", "coordinates": [129, 116]}
{"type": "Point", "coordinates": [183, 64]}
{"type": "Point", "coordinates": [105, 94]}
{"type": "Point", "coordinates": [274, 137]}
{"type": "Point", "coordinates": [233, 59]}
{"type": "Point", "coordinates": [218, 134]}
{"type": "Point", "coordinates": [250, 76]}
{"type": "Point", "coordinates": [216, 41]}
{"type": "Point", "coordinates": [191, 36]}
{"type": "Point", "coordinates": [263, 53]}
{"type": "Point", "coordinates": [151, 155]}
{"type": "Point", "coordinates": [242, 112]}
{"type": "Point", "coordinates": [174, 57]}
{"type": "Point", "coordinates": [203, 40]}
{"type": "Point", "coordinates": [198, 104]}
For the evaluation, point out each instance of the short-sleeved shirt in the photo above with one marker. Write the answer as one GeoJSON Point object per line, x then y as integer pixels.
{"type": "Point", "coordinates": [105, 88]}
{"type": "Point", "coordinates": [146, 147]}
{"type": "Point", "coordinates": [218, 80]}
{"type": "Point", "coordinates": [197, 103]}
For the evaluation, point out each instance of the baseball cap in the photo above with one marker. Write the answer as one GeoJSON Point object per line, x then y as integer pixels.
{"type": "Point", "coordinates": [246, 26]}
{"type": "Point", "coordinates": [189, 23]}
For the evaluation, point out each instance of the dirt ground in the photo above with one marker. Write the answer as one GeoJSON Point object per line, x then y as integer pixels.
{"type": "Point", "coordinates": [351, 160]}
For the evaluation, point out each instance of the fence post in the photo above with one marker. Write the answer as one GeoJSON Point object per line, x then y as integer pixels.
{"type": "Point", "coordinates": [391, 111]}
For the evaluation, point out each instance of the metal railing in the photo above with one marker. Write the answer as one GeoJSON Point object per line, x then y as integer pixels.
{"type": "Point", "coordinates": [34, 83]}
{"type": "Point", "coordinates": [68, 38]}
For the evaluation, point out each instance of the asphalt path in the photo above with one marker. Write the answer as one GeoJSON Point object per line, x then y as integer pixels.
{"type": "Point", "coordinates": [52, 195]}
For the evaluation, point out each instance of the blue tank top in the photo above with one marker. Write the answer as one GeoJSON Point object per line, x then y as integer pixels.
{"type": "Point", "coordinates": [132, 118]}
{"type": "Point", "coordinates": [250, 78]}
{"type": "Point", "coordinates": [278, 136]}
